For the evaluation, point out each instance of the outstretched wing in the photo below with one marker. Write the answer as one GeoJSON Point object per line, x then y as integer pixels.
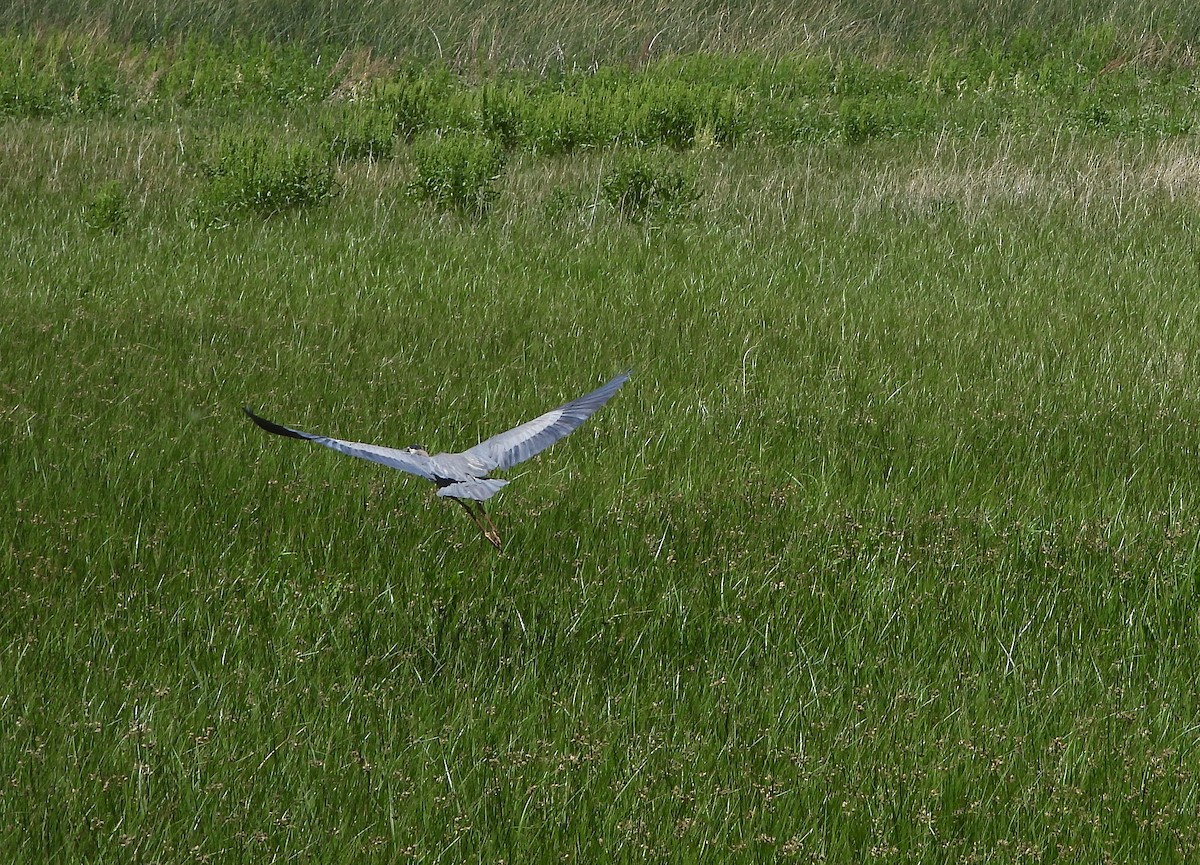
{"type": "Point", "coordinates": [414, 464]}
{"type": "Point", "coordinates": [533, 437]}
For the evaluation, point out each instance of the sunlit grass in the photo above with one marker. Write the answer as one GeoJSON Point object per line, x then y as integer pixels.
{"type": "Point", "coordinates": [888, 549]}
{"type": "Point", "coordinates": [572, 33]}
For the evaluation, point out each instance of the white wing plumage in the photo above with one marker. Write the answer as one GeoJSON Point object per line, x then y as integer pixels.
{"type": "Point", "coordinates": [414, 464]}
{"type": "Point", "coordinates": [520, 443]}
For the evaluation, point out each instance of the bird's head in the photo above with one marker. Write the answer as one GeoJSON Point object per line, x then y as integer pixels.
{"type": "Point", "coordinates": [417, 450]}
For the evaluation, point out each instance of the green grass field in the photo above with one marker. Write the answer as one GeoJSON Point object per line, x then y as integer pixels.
{"type": "Point", "coordinates": [889, 551]}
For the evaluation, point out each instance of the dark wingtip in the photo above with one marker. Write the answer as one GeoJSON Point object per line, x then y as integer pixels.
{"type": "Point", "coordinates": [270, 427]}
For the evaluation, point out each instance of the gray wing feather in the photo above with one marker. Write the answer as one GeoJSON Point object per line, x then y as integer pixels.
{"type": "Point", "coordinates": [479, 489]}
{"type": "Point", "coordinates": [520, 443]}
{"type": "Point", "coordinates": [414, 464]}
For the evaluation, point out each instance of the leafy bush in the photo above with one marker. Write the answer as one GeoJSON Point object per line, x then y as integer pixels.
{"type": "Point", "coordinates": [650, 184]}
{"type": "Point", "coordinates": [57, 75]}
{"type": "Point", "coordinates": [501, 114]}
{"type": "Point", "coordinates": [561, 123]}
{"type": "Point", "coordinates": [414, 102]}
{"type": "Point", "coordinates": [1093, 113]}
{"type": "Point", "coordinates": [255, 173]}
{"type": "Point", "coordinates": [107, 209]}
{"type": "Point", "coordinates": [457, 171]}
{"type": "Point", "coordinates": [197, 71]}
{"type": "Point", "coordinates": [859, 121]}
{"type": "Point", "coordinates": [668, 114]}
{"type": "Point", "coordinates": [728, 115]}
{"type": "Point", "coordinates": [360, 131]}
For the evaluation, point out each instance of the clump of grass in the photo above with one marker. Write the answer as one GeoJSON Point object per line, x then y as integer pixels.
{"type": "Point", "coordinates": [457, 171]}
{"type": "Point", "coordinates": [650, 185]}
{"type": "Point", "coordinates": [252, 173]}
{"type": "Point", "coordinates": [107, 210]}
{"type": "Point", "coordinates": [567, 203]}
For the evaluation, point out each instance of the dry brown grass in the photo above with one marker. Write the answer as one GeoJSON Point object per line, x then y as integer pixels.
{"type": "Point", "coordinates": [356, 71]}
{"type": "Point", "coordinates": [971, 178]}
{"type": "Point", "coordinates": [1175, 170]}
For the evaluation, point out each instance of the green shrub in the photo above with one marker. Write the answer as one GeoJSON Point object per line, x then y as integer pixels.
{"type": "Point", "coordinates": [501, 114]}
{"type": "Point", "coordinates": [562, 122]}
{"type": "Point", "coordinates": [196, 71]}
{"type": "Point", "coordinates": [729, 116]}
{"type": "Point", "coordinates": [858, 121]}
{"type": "Point", "coordinates": [457, 171]}
{"type": "Point", "coordinates": [650, 184]}
{"type": "Point", "coordinates": [360, 131]}
{"type": "Point", "coordinates": [58, 75]}
{"type": "Point", "coordinates": [1094, 114]}
{"type": "Point", "coordinates": [107, 209]}
{"type": "Point", "coordinates": [668, 113]}
{"type": "Point", "coordinates": [862, 119]}
{"type": "Point", "coordinates": [414, 102]}
{"type": "Point", "coordinates": [254, 173]}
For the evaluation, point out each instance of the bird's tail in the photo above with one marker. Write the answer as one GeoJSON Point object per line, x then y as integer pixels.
{"type": "Point", "coordinates": [478, 489]}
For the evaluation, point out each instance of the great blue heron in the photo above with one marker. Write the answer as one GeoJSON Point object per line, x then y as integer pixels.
{"type": "Point", "coordinates": [464, 476]}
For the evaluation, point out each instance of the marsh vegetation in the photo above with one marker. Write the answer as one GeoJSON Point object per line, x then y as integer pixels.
{"type": "Point", "coordinates": [889, 551]}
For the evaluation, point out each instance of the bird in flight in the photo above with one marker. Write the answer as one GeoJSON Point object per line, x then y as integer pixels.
{"type": "Point", "coordinates": [464, 476]}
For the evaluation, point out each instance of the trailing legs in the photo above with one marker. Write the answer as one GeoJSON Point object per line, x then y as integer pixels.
{"type": "Point", "coordinates": [480, 518]}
